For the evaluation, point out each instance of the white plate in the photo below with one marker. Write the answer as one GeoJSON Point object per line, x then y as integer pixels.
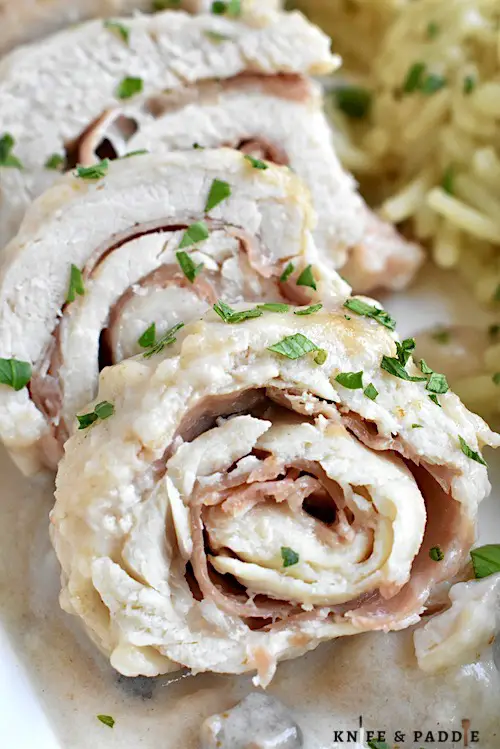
{"type": "Point", "coordinates": [53, 682]}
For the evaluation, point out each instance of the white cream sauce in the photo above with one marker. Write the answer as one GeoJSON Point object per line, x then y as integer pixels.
{"type": "Point", "coordinates": [373, 675]}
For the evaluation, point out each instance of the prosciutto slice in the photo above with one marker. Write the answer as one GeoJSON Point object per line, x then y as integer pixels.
{"type": "Point", "coordinates": [127, 237]}
{"type": "Point", "coordinates": [210, 81]}
{"type": "Point", "coordinates": [232, 512]}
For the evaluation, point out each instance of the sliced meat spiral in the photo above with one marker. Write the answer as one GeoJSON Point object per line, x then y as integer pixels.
{"type": "Point", "coordinates": [124, 232]}
{"type": "Point", "coordinates": [232, 85]}
{"type": "Point", "coordinates": [228, 518]}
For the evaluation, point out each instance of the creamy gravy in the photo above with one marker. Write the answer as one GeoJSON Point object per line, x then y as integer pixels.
{"type": "Point", "coordinates": [373, 675]}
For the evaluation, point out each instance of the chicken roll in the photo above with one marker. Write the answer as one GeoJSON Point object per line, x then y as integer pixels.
{"type": "Point", "coordinates": [260, 485]}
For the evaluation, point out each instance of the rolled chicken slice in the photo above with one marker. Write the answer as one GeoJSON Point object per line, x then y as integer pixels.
{"type": "Point", "coordinates": [260, 487]}
{"type": "Point", "coordinates": [141, 242]}
{"type": "Point", "coordinates": [26, 20]}
{"type": "Point", "coordinates": [239, 90]}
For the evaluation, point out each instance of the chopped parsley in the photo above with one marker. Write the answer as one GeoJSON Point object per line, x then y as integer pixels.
{"type": "Point", "coordinates": [306, 278]}
{"type": "Point", "coordinates": [437, 383]}
{"type": "Point", "coordinates": [195, 233]}
{"type": "Point", "coordinates": [129, 87]}
{"type": "Point", "coordinates": [76, 285]}
{"type": "Point", "coordinates": [321, 356]}
{"type": "Point", "coordinates": [15, 373]}
{"type": "Point", "coordinates": [215, 37]}
{"type": "Point", "coordinates": [432, 83]}
{"type": "Point", "coordinates": [107, 720]}
{"type": "Point", "coordinates": [148, 338]}
{"type": "Point", "coordinates": [469, 84]}
{"type": "Point", "coordinates": [230, 8]}
{"type": "Point", "coordinates": [404, 350]}
{"type": "Point", "coordinates": [448, 180]}
{"type": "Point", "coordinates": [470, 453]}
{"type": "Point", "coordinates": [414, 77]}
{"type": "Point", "coordinates": [189, 268]}
{"type": "Point", "coordinates": [496, 378]}
{"type": "Point", "coordinates": [354, 101]}
{"type": "Point", "coordinates": [232, 316]}
{"type": "Point", "coordinates": [433, 30]}
{"type": "Point", "coordinates": [369, 310]}
{"type": "Point", "coordinates": [7, 158]}
{"type": "Point", "coordinates": [166, 340]}
{"type": "Point", "coordinates": [441, 336]}
{"type": "Point", "coordinates": [96, 171]}
{"type": "Point", "coordinates": [102, 411]}
{"type": "Point", "coordinates": [56, 161]}
{"type": "Point", "coordinates": [394, 367]}
{"type": "Point", "coordinates": [219, 191]}
{"type": "Point", "coordinates": [425, 367]}
{"type": "Point", "coordinates": [294, 346]}
{"type": "Point", "coordinates": [350, 380]}
{"type": "Point", "coordinates": [371, 392]}
{"type": "Point", "coordinates": [159, 5]}
{"type": "Point", "coordinates": [274, 307]}
{"type": "Point", "coordinates": [436, 554]}
{"type": "Point", "coordinates": [434, 399]}
{"type": "Point", "coordinates": [309, 310]}
{"type": "Point", "coordinates": [119, 29]}
{"type": "Point", "coordinates": [416, 426]}
{"type": "Point", "coordinates": [486, 560]}
{"type": "Point", "coordinates": [378, 745]}
{"type": "Point", "coordinates": [287, 273]}
{"type": "Point", "coordinates": [289, 556]}
{"type": "Point", "coordinates": [139, 152]}
{"type": "Point", "coordinates": [256, 163]}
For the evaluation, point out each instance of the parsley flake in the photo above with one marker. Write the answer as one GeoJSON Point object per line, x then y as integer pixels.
{"type": "Point", "coordinates": [15, 373]}
{"type": "Point", "coordinates": [219, 191]}
{"type": "Point", "coordinates": [56, 161]}
{"type": "Point", "coordinates": [166, 340]}
{"type": "Point", "coordinates": [350, 380]}
{"type": "Point", "coordinates": [148, 338]}
{"type": "Point", "coordinates": [159, 5]}
{"type": "Point", "coordinates": [321, 357]}
{"type": "Point", "coordinates": [256, 163]}
{"type": "Point", "coordinates": [274, 307]}
{"type": "Point", "coordinates": [354, 101]}
{"type": "Point", "coordinates": [230, 8]}
{"type": "Point", "coordinates": [441, 336]}
{"type": "Point", "coordinates": [96, 171]}
{"type": "Point", "coordinates": [486, 560]}
{"type": "Point", "coordinates": [416, 426]}
{"type": "Point", "coordinates": [433, 397]}
{"type": "Point", "coordinates": [129, 87]}
{"type": "Point", "coordinates": [432, 83]}
{"type": "Point", "coordinates": [76, 285]}
{"type": "Point", "coordinates": [289, 556]}
{"type": "Point", "coordinates": [306, 278]}
{"type": "Point", "coordinates": [107, 720]}
{"type": "Point", "coordinates": [232, 316]}
{"type": "Point", "coordinates": [371, 392]}
{"type": "Point", "coordinates": [119, 29]}
{"type": "Point", "coordinates": [414, 77]}
{"type": "Point", "coordinates": [102, 411]}
{"type": "Point", "coordinates": [469, 85]}
{"type": "Point", "coordinates": [287, 273]}
{"type": "Point", "coordinates": [436, 554]}
{"type": "Point", "coordinates": [308, 310]}
{"type": "Point", "coordinates": [437, 383]}
{"type": "Point", "coordinates": [394, 367]}
{"type": "Point", "coordinates": [195, 233]}
{"type": "Point", "coordinates": [189, 268]}
{"type": "Point", "coordinates": [433, 29]}
{"type": "Point", "coordinates": [215, 37]}
{"type": "Point", "coordinates": [369, 310]}
{"type": "Point", "coordinates": [294, 346]}
{"type": "Point", "coordinates": [448, 180]}
{"type": "Point", "coordinates": [404, 350]}
{"type": "Point", "coordinates": [7, 158]}
{"type": "Point", "coordinates": [470, 453]}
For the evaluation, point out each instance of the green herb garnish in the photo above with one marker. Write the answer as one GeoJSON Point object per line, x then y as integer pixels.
{"type": "Point", "coordinates": [470, 453]}
{"type": "Point", "coordinates": [274, 307]}
{"type": "Point", "coordinates": [416, 426]}
{"type": "Point", "coordinates": [256, 163]}
{"type": "Point", "coordinates": [486, 560]}
{"type": "Point", "coordinates": [414, 77]}
{"type": "Point", "coordinates": [129, 87]}
{"type": "Point", "coordinates": [289, 556]}
{"type": "Point", "coordinates": [306, 278]}
{"type": "Point", "coordinates": [447, 182]}
{"type": "Point", "coordinates": [148, 338]}
{"type": "Point", "coordinates": [119, 29]}
{"type": "Point", "coordinates": [195, 233]}
{"type": "Point", "coordinates": [287, 272]}
{"type": "Point", "coordinates": [107, 720]}
{"type": "Point", "coordinates": [189, 268]}
{"type": "Point", "coordinates": [434, 399]}
{"type": "Point", "coordinates": [102, 411]}
{"type": "Point", "coordinates": [215, 37]}
{"type": "Point", "coordinates": [309, 310]}
{"type": "Point", "coordinates": [76, 285]}
{"type": "Point", "coordinates": [433, 29]}
{"type": "Point", "coordinates": [436, 554]}
{"type": "Point", "coordinates": [404, 350]}
{"type": "Point", "coordinates": [294, 346]}
{"type": "Point", "coordinates": [232, 316]}
{"type": "Point", "coordinates": [437, 383]}
{"type": "Point", "coordinates": [350, 380]}
{"type": "Point", "coordinates": [371, 392]}
{"type": "Point", "coordinates": [7, 158]}
{"type": "Point", "coordinates": [441, 336]}
{"type": "Point", "coordinates": [369, 310]}
{"type": "Point", "coordinates": [321, 356]}
{"type": "Point", "coordinates": [354, 101]}
{"type": "Point", "coordinates": [15, 373]}
{"type": "Point", "coordinates": [56, 161]}
{"type": "Point", "coordinates": [218, 192]}
{"type": "Point", "coordinates": [496, 378]}
{"type": "Point", "coordinates": [432, 83]}
{"type": "Point", "coordinates": [230, 8]}
{"type": "Point", "coordinates": [469, 84]}
{"type": "Point", "coordinates": [96, 171]}
{"type": "Point", "coordinates": [394, 367]}
{"type": "Point", "coordinates": [166, 340]}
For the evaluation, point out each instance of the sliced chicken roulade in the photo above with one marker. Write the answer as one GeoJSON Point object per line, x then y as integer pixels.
{"type": "Point", "coordinates": [22, 21]}
{"type": "Point", "coordinates": [261, 485]}
{"type": "Point", "coordinates": [157, 91]}
{"type": "Point", "coordinates": [120, 247]}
